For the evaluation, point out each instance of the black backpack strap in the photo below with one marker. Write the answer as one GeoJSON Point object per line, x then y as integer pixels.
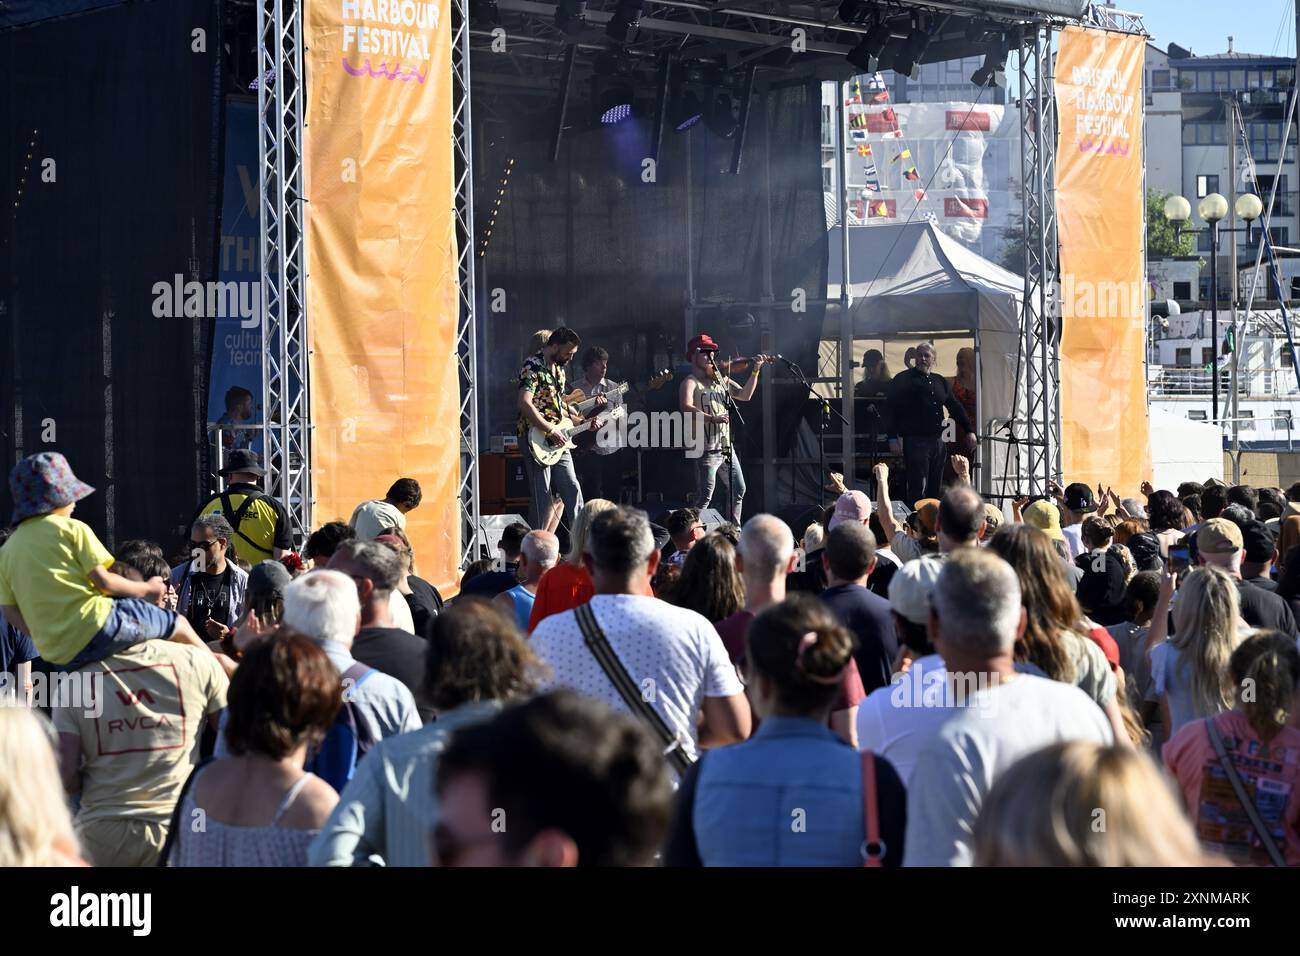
{"type": "Point", "coordinates": [175, 822]}
{"type": "Point", "coordinates": [235, 516]}
{"type": "Point", "coordinates": [599, 646]}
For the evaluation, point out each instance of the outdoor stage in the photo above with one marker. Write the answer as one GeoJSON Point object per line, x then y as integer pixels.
{"type": "Point", "coordinates": [417, 220]}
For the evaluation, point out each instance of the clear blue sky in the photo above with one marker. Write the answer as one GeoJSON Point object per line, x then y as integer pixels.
{"type": "Point", "coordinates": [1203, 26]}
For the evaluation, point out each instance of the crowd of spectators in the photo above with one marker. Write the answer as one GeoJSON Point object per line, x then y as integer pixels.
{"type": "Point", "coordinates": [936, 682]}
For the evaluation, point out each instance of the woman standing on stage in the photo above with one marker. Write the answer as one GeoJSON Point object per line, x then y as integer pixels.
{"type": "Point", "coordinates": [963, 389]}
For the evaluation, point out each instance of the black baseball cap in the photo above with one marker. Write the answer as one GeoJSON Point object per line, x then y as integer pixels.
{"type": "Point", "coordinates": [1078, 497]}
{"type": "Point", "coordinates": [242, 460]}
{"type": "Point", "coordinates": [1258, 541]}
{"type": "Point", "coordinates": [267, 579]}
{"type": "Point", "coordinates": [1145, 548]}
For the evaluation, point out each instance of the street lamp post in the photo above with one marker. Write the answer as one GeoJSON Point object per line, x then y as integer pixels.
{"type": "Point", "coordinates": [1212, 209]}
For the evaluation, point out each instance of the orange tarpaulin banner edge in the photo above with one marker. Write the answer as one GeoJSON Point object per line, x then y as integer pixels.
{"type": "Point", "coordinates": [1105, 433]}
{"type": "Point", "coordinates": [381, 256]}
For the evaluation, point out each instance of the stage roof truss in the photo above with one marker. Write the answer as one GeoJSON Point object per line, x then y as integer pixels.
{"type": "Point", "coordinates": [734, 34]}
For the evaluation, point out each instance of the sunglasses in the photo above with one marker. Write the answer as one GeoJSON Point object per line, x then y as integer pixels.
{"type": "Point", "coordinates": [204, 545]}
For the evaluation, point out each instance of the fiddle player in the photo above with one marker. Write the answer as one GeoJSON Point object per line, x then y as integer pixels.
{"type": "Point", "coordinates": [704, 395]}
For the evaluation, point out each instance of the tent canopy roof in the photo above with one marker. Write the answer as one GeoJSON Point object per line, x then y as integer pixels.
{"type": "Point", "coordinates": [911, 277]}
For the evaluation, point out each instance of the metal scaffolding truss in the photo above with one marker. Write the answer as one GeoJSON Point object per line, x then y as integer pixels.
{"type": "Point", "coordinates": [1039, 431]}
{"type": "Point", "coordinates": [282, 111]}
{"type": "Point", "coordinates": [466, 350]}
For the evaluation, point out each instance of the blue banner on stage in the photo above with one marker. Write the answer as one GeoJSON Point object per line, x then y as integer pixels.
{"type": "Point", "coordinates": [235, 380]}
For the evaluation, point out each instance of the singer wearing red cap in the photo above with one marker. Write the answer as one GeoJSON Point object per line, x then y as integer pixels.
{"type": "Point", "coordinates": [703, 398]}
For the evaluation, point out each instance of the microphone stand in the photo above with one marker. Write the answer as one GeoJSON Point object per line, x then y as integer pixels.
{"type": "Point", "coordinates": [826, 412]}
{"type": "Point", "coordinates": [733, 412]}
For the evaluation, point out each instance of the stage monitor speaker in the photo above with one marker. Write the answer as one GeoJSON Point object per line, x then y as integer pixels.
{"type": "Point", "coordinates": [799, 517]}
{"type": "Point", "coordinates": [492, 527]}
{"type": "Point", "coordinates": [712, 519]}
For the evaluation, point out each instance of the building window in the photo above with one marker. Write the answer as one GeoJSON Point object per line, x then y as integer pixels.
{"type": "Point", "coordinates": [1196, 415]}
{"type": "Point", "coordinates": [1282, 418]}
{"type": "Point", "coordinates": [1248, 425]}
{"type": "Point", "coordinates": [1183, 358]}
{"type": "Point", "coordinates": [1281, 235]}
{"type": "Point", "coordinates": [1182, 290]}
{"type": "Point", "coordinates": [1206, 185]}
{"type": "Point", "coordinates": [1207, 355]}
{"type": "Point", "coordinates": [1286, 356]}
{"type": "Point", "coordinates": [1159, 79]}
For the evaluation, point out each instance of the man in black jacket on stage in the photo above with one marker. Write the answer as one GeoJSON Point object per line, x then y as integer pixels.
{"type": "Point", "coordinates": [917, 398]}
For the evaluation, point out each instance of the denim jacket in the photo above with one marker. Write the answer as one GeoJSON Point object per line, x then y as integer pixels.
{"type": "Point", "coordinates": [790, 796]}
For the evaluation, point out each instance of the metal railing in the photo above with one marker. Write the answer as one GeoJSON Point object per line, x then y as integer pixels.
{"type": "Point", "coordinates": [1182, 382]}
{"type": "Point", "coordinates": [1168, 381]}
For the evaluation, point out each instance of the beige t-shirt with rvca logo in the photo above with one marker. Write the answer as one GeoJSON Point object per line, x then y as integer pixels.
{"type": "Point", "coordinates": [139, 734]}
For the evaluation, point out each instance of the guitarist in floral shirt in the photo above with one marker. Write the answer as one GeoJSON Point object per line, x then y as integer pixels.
{"type": "Point", "coordinates": [541, 405]}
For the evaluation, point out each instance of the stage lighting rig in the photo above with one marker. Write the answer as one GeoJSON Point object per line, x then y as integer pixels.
{"type": "Point", "coordinates": [623, 24]}
{"type": "Point", "coordinates": [688, 109]}
{"type": "Point", "coordinates": [614, 103]}
{"type": "Point", "coordinates": [570, 16]}
{"type": "Point", "coordinates": [866, 55]}
{"type": "Point", "coordinates": [908, 60]}
{"type": "Point", "coordinates": [613, 88]}
{"type": "Point", "coordinates": [994, 67]}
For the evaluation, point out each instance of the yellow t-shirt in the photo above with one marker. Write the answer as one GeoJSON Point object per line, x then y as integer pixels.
{"type": "Point", "coordinates": [259, 524]}
{"type": "Point", "coordinates": [45, 570]}
{"type": "Point", "coordinates": [140, 730]}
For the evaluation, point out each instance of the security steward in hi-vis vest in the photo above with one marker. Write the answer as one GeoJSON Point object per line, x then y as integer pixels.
{"type": "Point", "coordinates": [261, 524]}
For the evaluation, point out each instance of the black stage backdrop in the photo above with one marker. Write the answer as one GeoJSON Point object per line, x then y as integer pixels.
{"type": "Point", "coordinates": [119, 109]}
{"type": "Point", "coordinates": [585, 242]}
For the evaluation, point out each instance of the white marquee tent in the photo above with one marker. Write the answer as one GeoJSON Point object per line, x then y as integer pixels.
{"type": "Point", "coordinates": [910, 280]}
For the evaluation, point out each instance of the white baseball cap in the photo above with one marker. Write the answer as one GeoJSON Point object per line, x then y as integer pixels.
{"type": "Point", "coordinates": [910, 588]}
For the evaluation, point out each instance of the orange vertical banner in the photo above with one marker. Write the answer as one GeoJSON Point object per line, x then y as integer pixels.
{"type": "Point", "coordinates": [1105, 435]}
{"type": "Point", "coordinates": [381, 246]}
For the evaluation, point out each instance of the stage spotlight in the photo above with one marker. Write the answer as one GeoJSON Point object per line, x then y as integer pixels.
{"type": "Point", "coordinates": [614, 103]}
{"type": "Point", "coordinates": [571, 16]}
{"type": "Point", "coordinates": [993, 69]}
{"type": "Point", "coordinates": [907, 61]}
{"type": "Point", "coordinates": [721, 115]}
{"type": "Point", "coordinates": [867, 52]}
{"type": "Point", "coordinates": [623, 25]}
{"type": "Point", "coordinates": [687, 111]}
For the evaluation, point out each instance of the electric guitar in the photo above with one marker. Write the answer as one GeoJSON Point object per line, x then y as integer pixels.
{"type": "Point", "coordinates": [584, 405]}
{"type": "Point", "coordinates": [546, 452]}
